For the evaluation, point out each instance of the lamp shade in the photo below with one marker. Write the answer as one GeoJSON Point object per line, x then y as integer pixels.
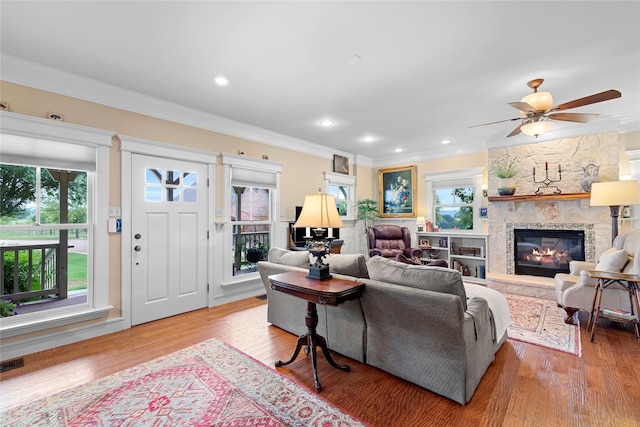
{"type": "Point", "coordinates": [614, 193]}
{"type": "Point", "coordinates": [420, 221]}
{"type": "Point", "coordinates": [319, 210]}
{"type": "Point", "coordinates": [536, 128]}
{"type": "Point", "coordinates": [541, 101]}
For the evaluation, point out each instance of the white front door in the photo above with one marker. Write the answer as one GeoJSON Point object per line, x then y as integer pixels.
{"type": "Point", "coordinates": [168, 237]}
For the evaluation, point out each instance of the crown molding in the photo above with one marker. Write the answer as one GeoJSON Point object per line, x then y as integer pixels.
{"type": "Point", "coordinates": [28, 73]}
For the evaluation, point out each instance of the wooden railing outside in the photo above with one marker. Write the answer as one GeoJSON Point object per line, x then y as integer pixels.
{"type": "Point", "coordinates": [42, 276]}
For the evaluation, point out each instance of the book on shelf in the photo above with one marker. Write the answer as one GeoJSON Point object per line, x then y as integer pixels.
{"type": "Point", "coordinates": [621, 314]}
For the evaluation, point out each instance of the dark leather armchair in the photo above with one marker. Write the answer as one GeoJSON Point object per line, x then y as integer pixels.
{"type": "Point", "coordinates": [390, 241]}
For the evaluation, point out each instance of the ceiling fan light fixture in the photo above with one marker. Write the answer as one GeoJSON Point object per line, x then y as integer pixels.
{"type": "Point", "coordinates": [536, 128]}
{"type": "Point", "coordinates": [541, 101]}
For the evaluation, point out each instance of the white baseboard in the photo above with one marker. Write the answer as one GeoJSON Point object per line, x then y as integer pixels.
{"type": "Point", "coordinates": [45, 342]}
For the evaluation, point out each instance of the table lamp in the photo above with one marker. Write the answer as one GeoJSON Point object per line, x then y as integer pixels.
{"type": "Point", "coordinates": [420, 223]}
{"type": "Point", "coordinates": [614, 194]}
{"type": "Point", "coordinates": [319, 211]}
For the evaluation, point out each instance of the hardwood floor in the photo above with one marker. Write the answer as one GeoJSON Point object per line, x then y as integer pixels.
{"type": "Point", "coordinates": [526, 385]}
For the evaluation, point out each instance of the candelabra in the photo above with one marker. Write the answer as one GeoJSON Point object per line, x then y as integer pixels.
{"type": "Point", "coordinates": [547, 181]}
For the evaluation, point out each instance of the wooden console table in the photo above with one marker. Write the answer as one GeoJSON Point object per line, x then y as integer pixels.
{"type": "Point", "coordinates": [606, 279]}
{"type": "Point", "coordinates": [326, 292]}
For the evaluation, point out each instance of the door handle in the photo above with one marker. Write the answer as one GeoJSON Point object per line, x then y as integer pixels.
{"type": "Point", "coordinates": [137, 248]}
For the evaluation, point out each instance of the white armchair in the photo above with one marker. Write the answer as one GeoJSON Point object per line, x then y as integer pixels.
{"type": "Point", "coordinates": [574, 291]}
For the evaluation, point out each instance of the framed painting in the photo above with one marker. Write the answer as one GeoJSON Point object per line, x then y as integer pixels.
{"type": "Point", "coordinates": [340, 164]}
{"type": "Point", "coordinates": [397, 192]}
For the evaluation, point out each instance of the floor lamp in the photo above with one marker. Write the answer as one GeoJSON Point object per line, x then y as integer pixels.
{"type": "Point", "coordinates": [614, 194]}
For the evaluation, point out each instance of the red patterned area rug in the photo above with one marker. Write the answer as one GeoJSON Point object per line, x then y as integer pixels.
{"type": "Point", "coordinates": [541, 322]}
{"type": "Point", "coordinates": [208, 384]}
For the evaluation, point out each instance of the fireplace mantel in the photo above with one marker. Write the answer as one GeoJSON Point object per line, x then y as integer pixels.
{"type": "Point", "coordinates": [541, 197]}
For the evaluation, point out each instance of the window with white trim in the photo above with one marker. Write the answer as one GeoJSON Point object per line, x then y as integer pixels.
{"type": "Point", "coordinates": [252, 200]}
{"type": "Point", "coordinates": [342, 187]}
{"type": "Point", "coordinates": [65, 173]}
{"type": "Point", "coordinates": [453, 199]}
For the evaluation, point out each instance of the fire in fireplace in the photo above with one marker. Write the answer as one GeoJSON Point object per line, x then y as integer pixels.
{"type": "Point", "coordinates": [547, 252]}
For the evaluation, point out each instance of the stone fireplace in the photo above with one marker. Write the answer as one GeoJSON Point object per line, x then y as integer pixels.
{"type": "Point", "coordinates": [568, 210]}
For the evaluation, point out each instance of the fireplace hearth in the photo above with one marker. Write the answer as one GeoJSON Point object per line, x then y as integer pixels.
{"type": "Point", "coordinates": [539, 252]}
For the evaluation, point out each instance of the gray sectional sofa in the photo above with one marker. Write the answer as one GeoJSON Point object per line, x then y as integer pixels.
{"type": "Point", "coordinates": [419, 323]}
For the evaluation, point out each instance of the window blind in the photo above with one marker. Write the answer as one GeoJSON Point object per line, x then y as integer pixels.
{"type": "Point", "coordinates": [20, 150]}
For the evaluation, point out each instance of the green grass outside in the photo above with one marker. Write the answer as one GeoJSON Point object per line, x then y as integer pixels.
{"type": "Point", "coordinates": [77, 271]}
{"type": "Point", "coordinates": [77, 267]}
{"type": "Point", "coordinates": [38, 234]}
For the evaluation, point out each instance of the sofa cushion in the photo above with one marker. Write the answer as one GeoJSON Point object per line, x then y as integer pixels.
{"type": "Point", "coordinates": [435, 279]}
{"type": "Point", "coordinates": [613, 260]}
{"type": "Point", "coordinates": [633, 266]}
{"type": "Point", "coordinates": [290, 258]}
{"type": "Point", "coordinates": [353, 265]}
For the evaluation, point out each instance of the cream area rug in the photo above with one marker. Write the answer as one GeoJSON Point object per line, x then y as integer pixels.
{"type": "Point", "coordinates": [541, 322]}
{"type": "Point", "coordinates": [208, 384]}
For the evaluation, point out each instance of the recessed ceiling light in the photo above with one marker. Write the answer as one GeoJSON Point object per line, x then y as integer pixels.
{"type": "Point", "coordinates": [398, 150]}
{"type": "Point", "coordinates": [327, 123]}
{"type": "Point", "coordinates": [221, 81]}
{"type": "Point", "coordinates": [369, 138]}
{"type": "Point", "coordinates": [445, 141]}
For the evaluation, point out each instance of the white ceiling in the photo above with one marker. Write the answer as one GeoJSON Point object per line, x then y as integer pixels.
{"type": "Point", "coordinates": [428, 70]}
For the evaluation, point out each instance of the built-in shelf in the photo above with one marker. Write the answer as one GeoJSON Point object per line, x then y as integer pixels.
{"type": "Point", "coordinates": [542, 197]}
{"type": "Point", "coordinates": [462, 250]}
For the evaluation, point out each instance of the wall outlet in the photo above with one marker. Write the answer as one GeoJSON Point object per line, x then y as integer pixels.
{"type": "Point", "coordinates": [4, 106]}
{"type": "Point", "coordinates": [55, 116]}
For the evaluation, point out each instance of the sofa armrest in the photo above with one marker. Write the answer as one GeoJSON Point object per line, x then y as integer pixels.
{"type": "Point", "coordinates": [576, 267]}
{"type": "Point", "coordinates": [374, 252]}
{"type": "Point", "coordinates": [586, 280]}
{"type": "Point", "coordinates": [427, 338]}
{"type": "Point", "coordinates": [478, 310]}
{"type": "Point", "coordinates": [413, 253]}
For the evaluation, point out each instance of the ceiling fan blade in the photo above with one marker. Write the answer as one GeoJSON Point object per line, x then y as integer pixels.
{"type": "Point", "coordinates": [523, 106]}
{"type": "Point", "coordinates": [515, 132]}
{"type": "Point", "coordinates": [493, 123]}
{"type": "Point", "coordinates": [587, 100]}
{"type": "Point", "coordinates": [573, 117]}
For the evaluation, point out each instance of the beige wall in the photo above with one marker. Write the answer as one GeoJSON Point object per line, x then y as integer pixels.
{"type": "Point", "coordinates": [302, 173]}
{"type": "Point", "coordinates": [467, 161]}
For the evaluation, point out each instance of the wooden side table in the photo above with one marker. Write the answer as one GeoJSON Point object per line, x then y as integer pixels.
{"type": "Point", "coordinates": [331, 291]}
{"type": "Point", "coordinates": [606, 279]}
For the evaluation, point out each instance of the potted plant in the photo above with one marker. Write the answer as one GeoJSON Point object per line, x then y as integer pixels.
{"type": "Point", "coordinates": [505, 170]}
{"type": "Point", "coordinates": [367, 211]}
{"type": "Point", "coordinates": [7, 308]}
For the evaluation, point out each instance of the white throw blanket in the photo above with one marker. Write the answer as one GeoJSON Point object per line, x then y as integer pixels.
{"type": "Point", "coordinates": [497, 303]}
